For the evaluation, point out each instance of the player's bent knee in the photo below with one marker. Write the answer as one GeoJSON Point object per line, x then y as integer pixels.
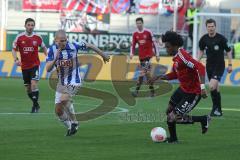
{"type": "Point", "coordinates": [59, 110]}
{"type": "Point", "coordinates": [34, 85]}
{"type": "Point", "coordinates": [28, 88]}
{"type": "Point", "coordinates": [171, 117]}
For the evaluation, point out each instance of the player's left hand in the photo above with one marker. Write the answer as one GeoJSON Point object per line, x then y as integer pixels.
{"type": "Point", "coordinates": [229, 69]}
{"type": "Point", "coordinates": [106, 58]}
{"type": "Point", "coordinates": [157, 58]}
{"type": "Point", "coordinates": [204, 93]}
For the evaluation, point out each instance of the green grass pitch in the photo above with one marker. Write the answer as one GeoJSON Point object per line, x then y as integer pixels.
{"type": "Point", "coordinates": [119, 135]}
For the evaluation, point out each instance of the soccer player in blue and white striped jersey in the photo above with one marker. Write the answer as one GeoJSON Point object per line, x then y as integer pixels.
{"type": "Point", "coordinates": [63, 55]}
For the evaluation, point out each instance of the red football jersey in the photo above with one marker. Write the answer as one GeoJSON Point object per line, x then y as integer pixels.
{"type": "Point", "coordinates": [187, 70]}
{"type": "Point", "coordinates": [146, 43]}
{"type": "Point", "coordinates": [28, 48]}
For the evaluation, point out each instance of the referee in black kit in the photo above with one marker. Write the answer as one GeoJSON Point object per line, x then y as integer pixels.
{"type": "Point", "coordinates": [215, 44]}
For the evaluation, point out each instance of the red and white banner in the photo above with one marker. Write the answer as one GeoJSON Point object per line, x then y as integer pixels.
{"type": "Point", "coordinates": [148, 6]}
{"type": "Point", "coordinates": [42, 5]}
{"type": "Point", "coordinates": [88, 6]}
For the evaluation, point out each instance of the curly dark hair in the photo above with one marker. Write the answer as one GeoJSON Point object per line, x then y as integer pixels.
{"type": "Point", "coordinates": [173, 38]}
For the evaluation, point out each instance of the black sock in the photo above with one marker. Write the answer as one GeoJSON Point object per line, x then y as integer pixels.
{"type": "Point", "coordinates": [198, 118]}
{"type": "Point", "coordinates": [172, 130]}
{"type": "Point", "coordinates": [151, 88]}
{"type": "Point", "coordinates": [35, 95]}
{"type": "Point", "coordinates": [219, 103]}
{"type": "Point", "coordinates": [30, 95]}
{"type": "Point", "coordinates": [214, 96]}
{"type": "Point", "coordinates": [139, 83]}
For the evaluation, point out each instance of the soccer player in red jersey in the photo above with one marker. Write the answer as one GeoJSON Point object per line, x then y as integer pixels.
{"type": "Point", "coordinates": [191, 76]}
{"type": "Point", "coordinates": [27, 44]}
{"type": "Point", "coordinates": [147, 49]}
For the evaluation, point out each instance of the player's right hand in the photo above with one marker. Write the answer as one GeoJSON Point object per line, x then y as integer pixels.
{"type": "Point", "coordinates": [131, 56]}
{"type": "Point", "coordinates": [204, 93]}
{"type": "Point", "coordinates": [18, 63]}
{"type": "Point", "coordinates": [106, 58]}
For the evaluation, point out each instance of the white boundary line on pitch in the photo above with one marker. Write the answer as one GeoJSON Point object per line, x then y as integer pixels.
{"type": "Point", "coordinates": [121, 110]}
{"type": "Point", "coordinates": [226, 109]}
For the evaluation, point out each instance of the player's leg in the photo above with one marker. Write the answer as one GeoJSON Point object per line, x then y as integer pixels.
{"type": "Point", "coordinates": [34, 87]}
{"type": "Point", "coordinates": [27, 83]}
{"type": "Point", "coordinates": [139, 81]}
{"type": "Point", "coordinates": [62, 112]}
{"type": "Point", "coordinates": [187, 104]}
{"type": "Point", "coordinates": [151, 87]}
{"type": "Point", "coordinates": [215, 91]}
{"type": "Point", "coordinates": [171, 119]}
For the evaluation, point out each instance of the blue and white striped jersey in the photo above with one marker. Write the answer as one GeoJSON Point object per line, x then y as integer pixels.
{"type": "Point", "coordinates": [67, 65]}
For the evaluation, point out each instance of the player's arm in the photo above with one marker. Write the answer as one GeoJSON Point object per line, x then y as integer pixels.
{"type": "Point", "coordinates": [198, 67]}
{"type": "Point", "coordinates": [229, 55]}
{"type": "Point", "coordinates": [51, 59]}
{"type": "Point", "coordinates": [98, 51]}
{"type": "Point", "coordinates": [201, 51]}
{"type": "Point", "coordinates": [43, 46]}
{"type": "Point", "coordinates": [200, 54]}
{"type": "Point", "coordinates": [155, 46]}
{"type": "Point", "coordinates": [45, 50]}
{"type": "Point", "coordinates": [14, 52]}
{"type": "Point", "coordinates": [170, 76]}
{"type": "Point", "coordinates": [132, 50]}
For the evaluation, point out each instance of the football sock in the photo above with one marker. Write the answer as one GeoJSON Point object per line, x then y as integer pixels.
{"type": "Point", "coordinates": [30, 95]}
{"type": "Point", "coordinates": [151, 88]}
{"type": "Point", "coordinates": [139, 83]}
{"type": "Point", "coordinates": [172, 130]}
{"type": "Point", "coordinates": [64, 118]}
{"type": "Point", "coordinates": [214, 96]}
{"type": "Point", "coordinates": [71, 112]}
{"type": "Point", "coordinates": [219, 105]}
{"type": "Point", "coordinates": [35, 94]}
{"type": "Point", "coordinates": [198, 118]}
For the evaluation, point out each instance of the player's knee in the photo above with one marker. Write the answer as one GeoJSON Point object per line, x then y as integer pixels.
{"type": "Point", "coordinates": [58, 110]}
{"type": "Point", "coordinates": [171, 117]}
{"type": "Point", "coordinates": [212, 87]}
{"type": "Point", "coordinates": [28, 89]}
{"type": "Point", "coordinates": [34, 86]}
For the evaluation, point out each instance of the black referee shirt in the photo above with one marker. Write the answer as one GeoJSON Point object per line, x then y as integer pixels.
{"type": "Point", "coordinates": [214, 47]}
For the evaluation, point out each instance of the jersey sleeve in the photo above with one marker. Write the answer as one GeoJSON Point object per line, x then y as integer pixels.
{"type": "Point", "coordinates": [15, 44]}
{"type": "Point", "coordinates": [41, 44]}
{"type": "Point", "coordinates": [172, 75]}
{"type": "Point", "coordinates": [50, 55]}
{"type": "Point", "coordinates": [81, 45]}
{"type": "Point", "coordinates": [225, 45]}
{"type": "Point", "coordinates": [192, 63]}
{"type": "Point", "coordinates": [155, 44]}
{"type": "Point", "coordinates": [202, 44]}
{"type": "Point", "coordinates": [132, 51]}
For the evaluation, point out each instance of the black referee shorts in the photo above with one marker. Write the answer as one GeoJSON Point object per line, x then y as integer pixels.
{"type": "Point", "coordinates": [183, 102]}
{"type": "Point", "coordinates": [215, 71]}
{"type": "Point", "coordinates": [30, 74]}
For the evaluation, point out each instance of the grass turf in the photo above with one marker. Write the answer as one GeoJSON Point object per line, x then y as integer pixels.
{"type": "Point", "coordinates": [117, 135]}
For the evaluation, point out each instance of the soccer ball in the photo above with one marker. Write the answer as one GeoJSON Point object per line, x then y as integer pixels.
{"type": "Point", "coordinates": [158, 134]}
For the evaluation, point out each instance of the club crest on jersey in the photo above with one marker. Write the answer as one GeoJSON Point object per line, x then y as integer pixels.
{"type": "Point", "coordinates": [216, 47]}
{"type": "Point", "coordinates": [35, 43]}
{"type": "Point", "coordinates": [145, 36]}
{"type": "Point", "coordinates": [23, 42]}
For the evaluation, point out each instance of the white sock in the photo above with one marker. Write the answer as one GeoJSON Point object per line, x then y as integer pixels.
{"type": "Point", "coordinates": [67, 123]}
{"type": "Point", "coordinates": [71, 110]}
{"type": "Point", "coordinates": [64, 118]}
